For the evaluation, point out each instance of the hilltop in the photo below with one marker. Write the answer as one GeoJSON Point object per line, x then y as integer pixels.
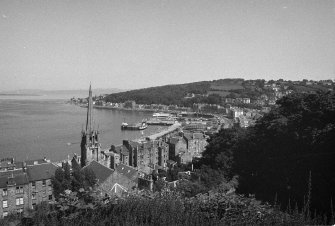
{"type": "Point", "coordinates": [178, 94]}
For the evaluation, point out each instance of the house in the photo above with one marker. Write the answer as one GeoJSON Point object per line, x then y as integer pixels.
{"type": "Point", "coordinates": [40, 186]}
{"type": "Point", "coordinates": [236, 112]}
{"type": "Point", "coordinates": [23, 185]}
{"type": "Point", "coordinates": [14, 192]}
{"type": "Point", "coordinates": [246, 100]}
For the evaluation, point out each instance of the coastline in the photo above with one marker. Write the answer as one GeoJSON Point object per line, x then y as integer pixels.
{"type": "Point", "coordinates": [145, 110]}
{"type": "Point", "coordinates": [117, 108]}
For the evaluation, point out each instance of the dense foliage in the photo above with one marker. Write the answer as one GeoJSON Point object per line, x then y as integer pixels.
{"type": "Point", "coordinates": [221, 206]}
{"type": "Point", "coordinates": [167, 95]}
{"type": "Point", "coordinates": [288, 149]}
{"type": "Point", "coordinates": [78, 179]}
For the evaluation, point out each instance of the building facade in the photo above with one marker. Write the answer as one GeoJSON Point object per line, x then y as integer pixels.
{"type": "Point", "coordinates": [23, 185]}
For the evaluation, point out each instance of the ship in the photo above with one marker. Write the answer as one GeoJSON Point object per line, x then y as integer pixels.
{"type": "Point", "coordinates": [136, 126]}
{"type": "Point", "coordinates": [161, 115]}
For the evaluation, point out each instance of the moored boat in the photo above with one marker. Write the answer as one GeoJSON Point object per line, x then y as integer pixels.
{"type": "Point", "coordinates": [161, 115]}
{"type": "Point", "coordinates": [137, 126]}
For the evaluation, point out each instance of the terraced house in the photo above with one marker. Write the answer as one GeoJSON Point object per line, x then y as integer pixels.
{"type": "Point", "coordinates": [23, 185]}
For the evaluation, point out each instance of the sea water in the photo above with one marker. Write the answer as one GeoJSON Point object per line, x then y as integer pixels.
{"type": "Point", "coordinates": [33, 127]}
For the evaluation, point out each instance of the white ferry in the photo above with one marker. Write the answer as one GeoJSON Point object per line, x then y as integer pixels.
{"type": "Point", "coordinates": [162, 115]}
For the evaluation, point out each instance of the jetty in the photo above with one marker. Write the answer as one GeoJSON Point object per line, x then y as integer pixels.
{"type": "Point", "coordinates": [160, 122]}
{"type": "Point", "coordinates": [171, 129]}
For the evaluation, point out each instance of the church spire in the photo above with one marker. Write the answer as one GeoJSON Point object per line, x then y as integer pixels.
{"type": "Point", "coordinates": [90, 146]}
{"type": "Point", "coordinates": [89, 112]}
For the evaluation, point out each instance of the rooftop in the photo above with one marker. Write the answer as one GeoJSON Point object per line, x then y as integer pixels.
{"type": "Point", "coordinates": [127, 171]}
{"type": "Point", "coordinates": [101, 172]}
{"type": "Point", "coordinates": [41, 171]}
{"type": "Point", "coordinates": [18, 178]}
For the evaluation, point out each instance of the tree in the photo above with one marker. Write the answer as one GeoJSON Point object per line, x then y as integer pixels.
{"type": "Point", "coordinates": [80, 179]}
{"type": "Point", "coordinates": [219, 151]}
{"type": "Point", "coordinates": [278, 154]}
{"type": "Point", "coordinates": [89, 178]}
{"type": "Point", "coordinates": [60, 182]}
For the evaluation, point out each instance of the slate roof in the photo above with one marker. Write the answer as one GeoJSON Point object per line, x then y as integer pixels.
{"type": "Point", "coordinates": [174, 140]}
{"type": "Point", "coordinates": [18, 176]}
{"type": "Point", "coordinates": [101, 172]}
{"type": "Point", "coordinates": [127, 171]}
{"type": "Point", "coordinates": [121, 149]}
{"type": "Point", "coordinates": [41, 171]}
{"type": "Point", "coordinates": [9, 173]}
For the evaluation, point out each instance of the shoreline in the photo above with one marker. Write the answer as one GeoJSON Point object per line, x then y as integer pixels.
{"type": "Point", "coordinates": [146, 110]}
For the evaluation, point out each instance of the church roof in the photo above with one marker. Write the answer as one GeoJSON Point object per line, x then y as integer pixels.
{"type": "Point", "coordinates": [101, 172]}
{"type": "Point", "coordinates": [127, 171]}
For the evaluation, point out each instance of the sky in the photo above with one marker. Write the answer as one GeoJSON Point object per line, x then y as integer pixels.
{"type": "Point", "coordinates": [130, 44]}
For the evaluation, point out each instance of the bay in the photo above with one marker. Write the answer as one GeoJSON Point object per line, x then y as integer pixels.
{"type": "Point", "coordinates": [33, 127]}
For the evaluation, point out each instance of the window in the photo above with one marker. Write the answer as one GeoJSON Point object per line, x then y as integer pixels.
{"type": "Point", "coordinates": [19, 190]}
{"type": "Point", "coordinates": [4, 204]}
{"type": "Point", "coordinates": [4, 192]}
{"type": "Point", "coordinates": [50, 197]}
{"type": "Point", "coordinates": [19, 201]}
{"type": "Point", "coordinates": [44, 182]}
{"type": "Point", "coordinates": [19, 210]}
{"type": "Point", "coordinates": [33, 184]}
{"type": "Point", "coordinates": [5, 214]}
{"type": "Point", "coordinates": [33, 196]}
{"type": "Point", "coordinates": [34, 205]}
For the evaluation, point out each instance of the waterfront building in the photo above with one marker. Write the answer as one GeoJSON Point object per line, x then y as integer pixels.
{"type": "Point", "coordinates": [23, 185]}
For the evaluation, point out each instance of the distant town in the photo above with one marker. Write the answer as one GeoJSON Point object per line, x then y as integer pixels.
{"type": "Point", "coordinates": [236, 101]}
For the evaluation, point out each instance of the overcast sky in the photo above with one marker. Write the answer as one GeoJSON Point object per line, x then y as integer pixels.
{"type": "Point", "coordinates": [128, 44]}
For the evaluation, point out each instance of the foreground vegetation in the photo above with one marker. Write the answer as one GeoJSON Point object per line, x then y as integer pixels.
{"type": "Point", "coordinates": [287, 156]}
{"type": "Point", "coordinates": [221, 206]}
